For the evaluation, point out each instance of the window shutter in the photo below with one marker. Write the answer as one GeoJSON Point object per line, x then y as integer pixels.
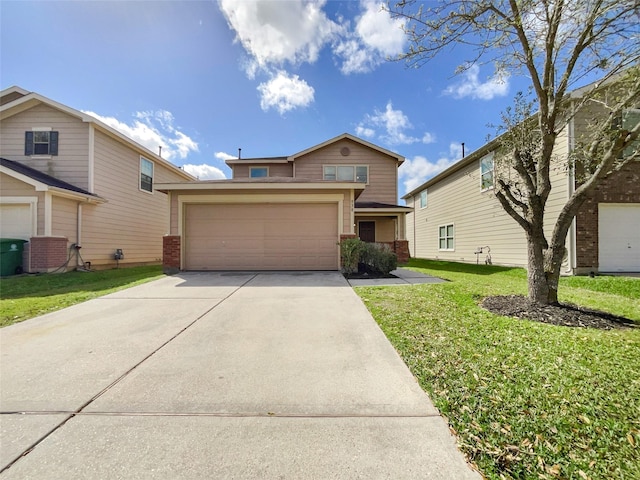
{"type": "Point", "coordinates": [53, 143]}
{"type": "Point", "coordinates": [28, 143]}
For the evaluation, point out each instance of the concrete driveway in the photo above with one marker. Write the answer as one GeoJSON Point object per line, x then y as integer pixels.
{"type": "Point", "coordinates": [217, 375]}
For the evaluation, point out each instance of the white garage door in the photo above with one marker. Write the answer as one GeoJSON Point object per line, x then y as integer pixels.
{"type": "Point", "coordinates": [619, 237]}
{"type": "Point", "coordinates": [16, 221]}
{"type": "Point", "coordinates": [261, 237]}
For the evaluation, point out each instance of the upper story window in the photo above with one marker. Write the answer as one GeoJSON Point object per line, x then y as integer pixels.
{"type": "Point", "coordinates": [486, 172]}
{"type": "Point", "coordinates": [258, 172]}
{"type": "Point", "coordinates": [146, 175]}
{"type": "Point", "coordinates": [346, 173]}
{"type": "Point", "coordinates": [41, 142]}
{"type": "Point", "coordinates": [423, 199]}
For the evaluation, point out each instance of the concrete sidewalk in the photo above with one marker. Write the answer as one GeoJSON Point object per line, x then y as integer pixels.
{"type": "Point", "coordinates": [217, 375]}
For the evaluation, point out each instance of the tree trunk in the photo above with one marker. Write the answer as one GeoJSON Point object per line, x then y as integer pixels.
{"type": "Point", "coordinates": [536, 277]}
{"type": "Point", "coordinates": [543, 270]}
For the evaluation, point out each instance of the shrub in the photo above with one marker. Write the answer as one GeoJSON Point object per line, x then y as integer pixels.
{"type": "Point", "coordinates": [378, 259]}
{"type": "Point", "coordinates": [350, 252]}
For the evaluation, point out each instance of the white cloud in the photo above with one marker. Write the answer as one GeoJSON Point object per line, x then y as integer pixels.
{"type": "Point", "coordinates": [414, 172]}
{"type": "Point", "coordinates": [394, 125]}
{"type": "Point", "coordinates": [204, 171]}
{"type": "Point", "coordinates": [362, 131]}
{"type": "Point", "coordinates": [471, 86]}
{"type": "Point", "coordinates": [153, 129]}
{"type": "Point", "coordinates": [428, 138]}
{"type": "Point", "coordinates": [273, 33]}
{"type": "Point", "coordinates": [285, 92]}
{"type": "Point", "coordinates": [376, 36]}
{"type": "Point", "coordinates": [224, 156]}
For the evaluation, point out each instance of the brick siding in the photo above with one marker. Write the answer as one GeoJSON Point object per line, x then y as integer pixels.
{"type": "Point", "coordinates": [171, 254]}
{"type": "Point", "coordinates": [620, 187]}
{"type": "Point", "coordinates": [45, 254]}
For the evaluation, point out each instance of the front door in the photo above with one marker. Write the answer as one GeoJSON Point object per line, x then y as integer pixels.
{"type": "Point", "coordinates": [367, 231]}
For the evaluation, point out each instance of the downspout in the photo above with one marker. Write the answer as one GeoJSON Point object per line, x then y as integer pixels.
{"type": "Point", "coordinates": [415, 245]}
{"type": "Point", "coordinates": [78, 231]}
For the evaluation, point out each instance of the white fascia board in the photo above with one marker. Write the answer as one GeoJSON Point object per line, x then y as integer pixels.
{"type": "Point", "coordinates": [33, 99]}
{"type": "Point", "coordinates": [39, 186]}
{"type": "Point", "coordinates": [43, 187]}
{"type": "Point", "coordinates": [165, 187]}
{"type": "Point", "coordinates": [254, 161]}
{"type": "Point", "coordinates": [382, 211]}
{"type": "Point", "coordinates": [61, 192]}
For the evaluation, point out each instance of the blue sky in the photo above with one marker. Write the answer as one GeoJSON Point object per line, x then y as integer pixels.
{"type": "Point", "coordinates": [203, 79]}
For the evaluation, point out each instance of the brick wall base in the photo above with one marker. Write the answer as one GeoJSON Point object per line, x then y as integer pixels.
{"type": "Point", "coordinates": [171, 254]}
{"type": "Point", "coordinates": [620, 187]}
{"type": "Point", "coordinates": [46, 254]}
{"type": "Point", "coordinates": [400, 248]}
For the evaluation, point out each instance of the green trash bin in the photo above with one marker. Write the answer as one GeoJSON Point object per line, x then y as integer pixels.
{"type": "Point", "coordinates": [11, 256]}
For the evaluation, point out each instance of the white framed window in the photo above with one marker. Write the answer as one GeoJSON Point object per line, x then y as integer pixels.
{"type": "Point", "coordinates": [41, 141]}
{"type": "Point", "coordinates": [446, 237]}
{"type": "Point", "coordinates": [146, 175]}
{"type": "Point", "coordinates": [423, 199]}
{"type": "Point", "coordinates": [486, 172]}
{"type": "Point", "coordinates": [258, 172]}
{"type": "Point", "coordinates": [346, 173]}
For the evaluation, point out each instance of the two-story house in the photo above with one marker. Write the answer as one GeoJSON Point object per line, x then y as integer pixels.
{"type": "Point", "coordinates": [81, 193]}
{"type": "Point", "coordinates": [457, 217]}
{"type": "Point", "coordinates": [287, 213]}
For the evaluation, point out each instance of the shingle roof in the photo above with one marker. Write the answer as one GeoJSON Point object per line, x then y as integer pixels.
{"type": "Point", "coordinates": [42, 177]}
{"type": "Point", "coordinates": [377, 205]}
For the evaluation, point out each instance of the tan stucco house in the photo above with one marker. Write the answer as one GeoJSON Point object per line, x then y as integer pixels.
{"type": "Point", "coordinates": [456, 216]}
{"type": "Point", "coordinates": [76, 189]}
{"type": "Point", "coordinates": [287, 213]}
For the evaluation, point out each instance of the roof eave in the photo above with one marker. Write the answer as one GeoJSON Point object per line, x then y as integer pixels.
{"type": "Point", "coordinates": [223, 185]}
{"type": "Point", "coordinates": [399, 158]}
{"type": "Point", "coordinates": [31, 99]}
{"type": "Point", "coordinates": [472, 157]}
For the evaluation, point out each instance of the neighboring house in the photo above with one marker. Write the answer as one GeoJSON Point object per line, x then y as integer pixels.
{"type": "Point", "coordinates": [457, 217]}
{"type": "Point", "coordinates": [76, 189]}
{"type": "Point", "coordinates": [288, 213]}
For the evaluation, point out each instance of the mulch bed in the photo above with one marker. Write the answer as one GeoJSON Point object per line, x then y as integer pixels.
{"type": "Point", "coordinates": [366, 275]}
{"type": "Point", "coordinates": [565, 315]}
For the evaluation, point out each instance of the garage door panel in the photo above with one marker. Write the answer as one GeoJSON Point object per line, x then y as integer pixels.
{"type": "Point", "coordinates": [16, 221]}
{"type": "Point", "coordinates": [261, 237]}
{"type": "Point", "coordinates": [619, 237]}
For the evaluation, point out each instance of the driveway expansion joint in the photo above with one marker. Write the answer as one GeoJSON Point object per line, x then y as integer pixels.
{"type": "Point", "coordinates": [119, 379]}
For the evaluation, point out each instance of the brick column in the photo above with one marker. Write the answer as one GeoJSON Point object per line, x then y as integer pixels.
{"type": "Point", "coordinates": [171, 254]}
{"type": "Point", "coordinates": [401, 247]}
{"type": "Point", "coordinates": [46, 254]}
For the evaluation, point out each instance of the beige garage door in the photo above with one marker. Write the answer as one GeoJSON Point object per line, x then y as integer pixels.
{"type": "Point", "coordinates": [619, 237]}
{"type": "Point", "coordinates": [16, 221]}
{"type": "Point", "coordinates": [261, 237]}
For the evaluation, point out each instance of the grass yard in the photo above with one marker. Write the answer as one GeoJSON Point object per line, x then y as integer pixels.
{"type": "Point", "coordinates": [527, 400]}
{"type": "Point", "coordinates": [27, 296]}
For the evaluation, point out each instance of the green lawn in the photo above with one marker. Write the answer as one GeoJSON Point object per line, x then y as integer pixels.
{"type": "Point", "coordinates": [527, 400]}
{"type": "Point", "coordinates": [26, 296]}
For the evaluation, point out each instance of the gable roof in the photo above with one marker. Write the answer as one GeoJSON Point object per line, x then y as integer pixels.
{"type": "Point", "coordinates": [44, 182]}
{"type": "Point", "coordinates": [292, 158]}
{"type": "Point", "coordinates": [353, 138]}
{"type": "Point", "coordinates": [463, 162]}
{"type": "Point", "coordinates": [28, 100]}
{"type": "Point", "coordinates": [494, 143]}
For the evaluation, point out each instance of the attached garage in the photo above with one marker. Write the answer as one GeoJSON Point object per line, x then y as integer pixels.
{"type": "Point", "coordinates": [619, 237]}
{"type": "Point", "coordinates": [18, 219]}
{"type": "Point", "coordinates": [261, 236]}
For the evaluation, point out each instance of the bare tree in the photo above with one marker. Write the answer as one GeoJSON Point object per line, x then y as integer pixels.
{"type": "Point", "coordinates": [557, 45]}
